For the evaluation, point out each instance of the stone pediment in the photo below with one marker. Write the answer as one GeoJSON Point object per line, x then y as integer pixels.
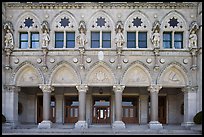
{"type": "Point", "coordinates": [100, 76]}
{"type": "Point", "coordinates": [136, 76]}
{"type": "Point", "coordinates": [28, 77]}
{"type": "Point", "coordinates": [172, 77]}
{"type": "Point", "coordinates": [64, 76]}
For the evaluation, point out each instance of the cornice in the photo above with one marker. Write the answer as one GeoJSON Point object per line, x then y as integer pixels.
{"type": "Point", "coordinates": [100, 5]}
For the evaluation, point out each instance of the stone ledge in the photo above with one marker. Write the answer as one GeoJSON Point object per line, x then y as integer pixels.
{"type": "Point", "coordinates": [155, 125]}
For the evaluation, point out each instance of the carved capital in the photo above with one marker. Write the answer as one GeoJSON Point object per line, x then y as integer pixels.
{"type": "Point", "coordinates": [46, 88]}
{"type": "Point", "coordinates": [193, 51]}
{"type": "Point", "coordinates": [82, 88]}
{"type": "Point", "coordinates": [118, 88]}
{"type": "Point", "coordinates": [154, 88]}
{"type": "Point", "coordinates": [12, 88]}
{"type": "Point", "coordinates": [188, 89]}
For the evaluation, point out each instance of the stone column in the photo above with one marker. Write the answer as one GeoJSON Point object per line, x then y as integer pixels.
{"type": "Point", "coordinates": [189, 105]}
{"type": "Point", "coordinates": [11, 113]}
{"type": "Point", "coordinates": [47, 89]}
{"type": "Point", "coordinates": [154, 123]}
{"type": "Point", "coordinates": [118, 123]}
{"type": "Point", "coordinates": [82, 123]}
{"type": "Point", "coordinates": [143, 109]}
{"type": "Point", "coordinates": [59, 108]}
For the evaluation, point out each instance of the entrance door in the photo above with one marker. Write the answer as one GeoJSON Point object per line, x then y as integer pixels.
{"type": "Point", "coordinates": [71, 109]}
{"type": "Point", "coordinates": [52, 117]}
{"type": "Point", "coordinates": [130, 109]}
{"type": "Point", "coordinates": [162, 109]}
{"type": "Point", "coordinates": [101, 110]}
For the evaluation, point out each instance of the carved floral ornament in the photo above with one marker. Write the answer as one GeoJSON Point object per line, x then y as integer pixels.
{"type": "Point", "coordinates": [82, 88]}
{"type": "Point", "coordinates": [154, 88]}
{"type": "Point", "coordinates": [118, 88]}
{"type": "Point", "coordinates": [46, 88]}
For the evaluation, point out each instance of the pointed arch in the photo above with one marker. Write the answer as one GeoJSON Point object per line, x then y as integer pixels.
{"type": "Point", "coordinates": [144, 18]}
{"type": "Point", "coordinates": [100, 74]}
{"type": "Point", "coordinates": [136, 74]}
{"type": "Point", "coordinates": [101, 13]}
{"type": "Point", "coordinates": [173, 75]}
{"type": "Point", "coordinates": [21, 17]}
{"type": "Point", "coordinates": [181, 19]}
{"type": "Point", "coordinates": [26, 75]}
{"type": "Point", "coordinates": [63, 74]}
{"type": "Point", "coordinates": [57, 18]}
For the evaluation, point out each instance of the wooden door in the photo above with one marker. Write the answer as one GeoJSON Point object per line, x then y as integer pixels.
{"type": "Point", "coordinates": [71, 109]}
{"type": "Point", "coordinates": [101, 110]}
{"type": "Point", "coordinates": [162, 109]}
{"type": "Point", "coordinates": [130, 109]}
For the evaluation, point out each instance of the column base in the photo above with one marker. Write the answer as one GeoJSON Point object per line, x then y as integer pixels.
{"type": "Point", "coordinates": [187, 124]}
{"type": "Point", "coordinates": [10, 125]}
{"type": "Point", "coordinates": [45, 124]}
{"type": "Point", "coordinates": [155, 125]}
{"type": "Point", "coordinates": [81, 125]}
{"type": "Point", "coordinates": [118, 125]}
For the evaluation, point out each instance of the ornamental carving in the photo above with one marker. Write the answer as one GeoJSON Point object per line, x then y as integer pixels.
{"type": "Point", "coordinates": [46, 88]}
{"type": "Point", "coordinates": [45, 34]}
{"type": "Point", "coordinates": [155, 38]}
{"type": "Point", "coordinates": [154, 88]}
{"type": "Point", "coordinates": [82, 38]}
{"type": "Point", "coordinates": [9, 39]}
{"type": "Point", "coordinates": [64, 76]}
{"type": "Point", "coordinates": [28, 77]}
{"type": "Point", "coordinates": [193, 36]}
{"type": "Point", "coordinates": [100, 76]}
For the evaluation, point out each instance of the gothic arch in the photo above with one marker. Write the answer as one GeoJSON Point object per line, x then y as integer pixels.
{"type": "Point", "coordinates": [136, 74]}
{"type": "Point", "coordinates": [26, 74]}
{"type": "Point", "coordinates": [144, 18]}
{"type": "Point", "coordinates": [173, 75]}
{"type": "Point", "coordinates": [20, 26]}
{"type": "Point", "coordinates": [181, 19]}
{"type": "Point", "coordinates": [63, 74]}
{"type": "Point", "coordinates": [108, 19]}
{"type": "Point", "coordinates": [55, 21]}
{"type": "Point", "coordinates": [100, 74]}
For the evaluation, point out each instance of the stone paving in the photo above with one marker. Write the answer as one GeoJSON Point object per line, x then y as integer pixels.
{"type": "Point", "coordinates": [59, 129]}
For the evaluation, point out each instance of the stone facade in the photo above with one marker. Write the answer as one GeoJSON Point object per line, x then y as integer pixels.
{"type": "Point", "coordinates": [82, 71]}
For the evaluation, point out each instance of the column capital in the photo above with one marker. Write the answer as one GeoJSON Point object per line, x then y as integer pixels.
{"type": "Point", "coordinates": [12, 88]}
{"type": "Point", "coordinates": [118, 88]}
{"type": "Point", "coordinates": [188, 89]}
{"type": "Point", "coordinates": [46, 88]}
{"type": "Point", "coordinates": [154, 88]}
{"type": "Point", "coordinates": [82, 88]}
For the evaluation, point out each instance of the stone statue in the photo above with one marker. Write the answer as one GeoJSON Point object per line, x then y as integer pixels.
{"type": "Point", "coordinates": [8, 39]}
{"type": "Point", "coordinates": [45, 38]}
{"type": "Point", "coordinates": [193, 40]}
{"type": "Point", "coordinates": [119, 38]}
{"type": "Point", "coordinates": [45, 35]}
{"type": "Point", "coordinates": [192, 36]}
{"type": "Point", "coordinates": [156, 39]}
{"type": "Point", "coordinates": [82, 39]}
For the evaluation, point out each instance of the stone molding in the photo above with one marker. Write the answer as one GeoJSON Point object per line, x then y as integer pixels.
{"type": "Point", "coordinates": [82, 88]}
{"type": "Point", "coordinates": [76, 5]}
{"type": "Point", "coordinates": [118, 88]}
{"type": "Point", "coordinates": [12, 88]}
{"type": "Point", "coordinates": [46, 88]}
{"type": "Point", "coordinates": [154, 88]}
{"type": "Point", "coordinates": [189, 89]}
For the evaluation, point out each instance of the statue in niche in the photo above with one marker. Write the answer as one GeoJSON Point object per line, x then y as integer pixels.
{"type": "Point", "coordinates": [193, 37]}
{"type": "Point", "coordinates": [193, 40]}
{"type": "Point", "coordinates": [9, 40]}
{"type": "Point", "coordinates": [82, 39]}
{"type": "Point", "coordinates": [119, 38]}
{"type": "Point", "coordinates": [156, 35]}
{"type": "Point", "coordinates": [45, 35]}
